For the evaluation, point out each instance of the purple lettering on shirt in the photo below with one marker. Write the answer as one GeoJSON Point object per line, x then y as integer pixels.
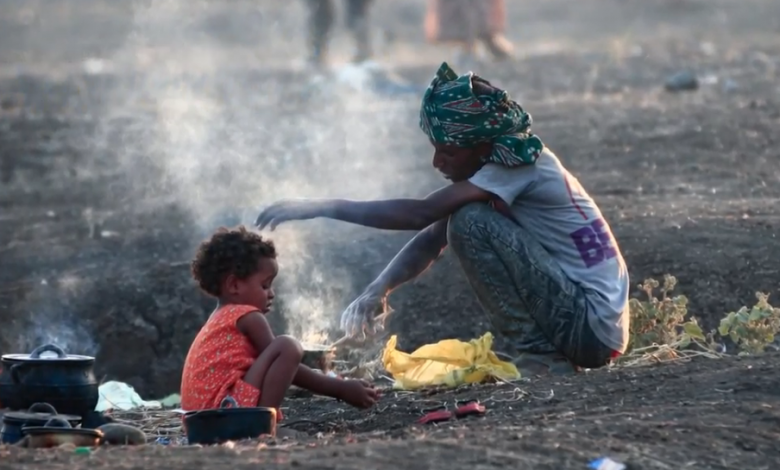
{"type": "Point", "coordinates": [594, 243]}
{"type": "Point", "coordinates": [588, 245]}
{"type": "Point", "coordinates": [605, 238]}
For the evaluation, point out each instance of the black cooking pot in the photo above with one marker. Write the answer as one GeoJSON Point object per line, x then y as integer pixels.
{"type": "Point", "coordinates": [229, 423]}
{"type": "Point", "coordinates": [37, 415]}
{"type": "Point", "coordinates": [66, 381]}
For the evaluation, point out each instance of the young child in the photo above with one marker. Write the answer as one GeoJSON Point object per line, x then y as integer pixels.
{"type": "Point", "coordinates": [236, 353]}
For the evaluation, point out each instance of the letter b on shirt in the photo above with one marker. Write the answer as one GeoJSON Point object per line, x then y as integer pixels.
{"type": "Point", "coordinates": [594, 243]}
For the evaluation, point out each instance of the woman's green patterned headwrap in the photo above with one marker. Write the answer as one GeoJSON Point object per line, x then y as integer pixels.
{"type": "Point", "coordinates": [451, 113]}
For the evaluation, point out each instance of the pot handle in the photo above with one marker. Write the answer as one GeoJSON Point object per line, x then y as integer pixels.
{"type": "Point", "coordinates": [14, 370]}
{"type": "Point", "coordinates": [228, 402]}
{"type": "Point", "coordinates": [58, 423]}
{"type": "Point", "coordinates": [36, 354]}
{"type": "Point", "coordinates": [42, 408]}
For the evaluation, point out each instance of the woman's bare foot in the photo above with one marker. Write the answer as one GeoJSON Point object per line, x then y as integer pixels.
{"type": "Point", "coordinates": [530, 365]}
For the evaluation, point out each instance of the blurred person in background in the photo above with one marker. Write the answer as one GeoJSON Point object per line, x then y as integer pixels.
{"type": "Point", "coordinates": [321, 19]}
{"type": "Point", "coordinates": [469, 23]}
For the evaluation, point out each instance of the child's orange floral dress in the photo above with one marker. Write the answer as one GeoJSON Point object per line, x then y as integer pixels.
{"type": "Point", "coordinates": [218, 359]}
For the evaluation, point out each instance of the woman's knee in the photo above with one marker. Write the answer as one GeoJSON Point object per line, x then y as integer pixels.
{"type": "Point", "coordinates": [288, 346]}
{"type": "Point", "coordinates": [460, 227]}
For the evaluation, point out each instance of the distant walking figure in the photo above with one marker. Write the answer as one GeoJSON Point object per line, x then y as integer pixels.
{"type": "Point", "coordinates": [467, 23]}
{"type": "Point", "coordinates": [321, 19]}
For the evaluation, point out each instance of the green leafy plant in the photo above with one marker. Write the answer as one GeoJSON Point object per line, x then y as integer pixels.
{"type": "Point", "coordinates": [662, 319]}
{"type": "Point", "coordinates": [752, 330]}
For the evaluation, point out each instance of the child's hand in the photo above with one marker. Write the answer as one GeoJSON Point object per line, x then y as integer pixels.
{"type": "Point", "coordinates": [358, 393]}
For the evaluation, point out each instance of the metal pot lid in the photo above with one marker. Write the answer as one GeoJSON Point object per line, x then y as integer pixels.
{"type": "Point", "coordinates": [39, 413]}
{"type": "Point", "coordinates": [47, 353]}
{"type": "Point", "coordinates": [29, 358]}
{"type": "Point", "coordinates": [228, 406]}
{"type": "Point", "coordinates": [58, 431]}
{"type": "Point", "coordinates": [16, 417]}
{"type": "Point", "coordinates": [227, 412]}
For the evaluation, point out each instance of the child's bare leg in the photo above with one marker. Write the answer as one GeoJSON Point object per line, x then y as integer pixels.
{"type": "Point", "coordinates": [274, 370]}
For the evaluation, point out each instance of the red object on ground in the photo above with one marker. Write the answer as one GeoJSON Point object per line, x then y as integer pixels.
{"type": "Point", "coordinates": [473, 408]}
{"type": "Point", "coordinates": [463, 409]}
{"type": "Point", "coordinates": [437, 416]}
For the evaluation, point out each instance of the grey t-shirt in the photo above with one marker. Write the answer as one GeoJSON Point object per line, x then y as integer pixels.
{"type": "Point", "coordinates": [548, 202]}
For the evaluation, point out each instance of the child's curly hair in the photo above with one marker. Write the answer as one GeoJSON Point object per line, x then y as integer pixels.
{"type": "Point", "coordinates": [229, 251]}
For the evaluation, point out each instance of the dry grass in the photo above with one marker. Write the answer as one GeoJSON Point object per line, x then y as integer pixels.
{"type": "Point", "coordinates": [665, 353]}
{"type": "Point", "coordinates": [155, 423]}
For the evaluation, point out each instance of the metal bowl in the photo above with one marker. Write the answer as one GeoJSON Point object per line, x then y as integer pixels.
{"type": "Point", "coordinates": [318, 356]}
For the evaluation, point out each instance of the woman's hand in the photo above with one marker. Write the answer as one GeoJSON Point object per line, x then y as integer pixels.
{"type": "Point", "coordinates": [358, 393]}
{"type": "Point", "coordinates": [287, 210]}
{"type": "Point", "coordinates": [366, 314]}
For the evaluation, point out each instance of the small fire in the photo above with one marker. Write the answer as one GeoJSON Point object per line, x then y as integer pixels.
{"type": "Point", "coordinates": [310, 338]}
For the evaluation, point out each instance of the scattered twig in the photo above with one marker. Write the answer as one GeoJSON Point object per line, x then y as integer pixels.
{"type": "Point", "coordinates": [516, 394]}
{"type": "Point", "coordinates": [666, 353]}
{"type": "Point", "coordinates": [155, 423]}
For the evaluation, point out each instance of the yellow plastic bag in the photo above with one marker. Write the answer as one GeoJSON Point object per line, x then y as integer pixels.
{"type": "Point", "coordinates": [449, 362]}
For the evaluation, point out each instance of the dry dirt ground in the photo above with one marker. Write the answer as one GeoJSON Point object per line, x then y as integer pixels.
{"type": "Point", "coordinates": [109, 178]}
{"type": "Point", "coordinates": [717, 414]}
